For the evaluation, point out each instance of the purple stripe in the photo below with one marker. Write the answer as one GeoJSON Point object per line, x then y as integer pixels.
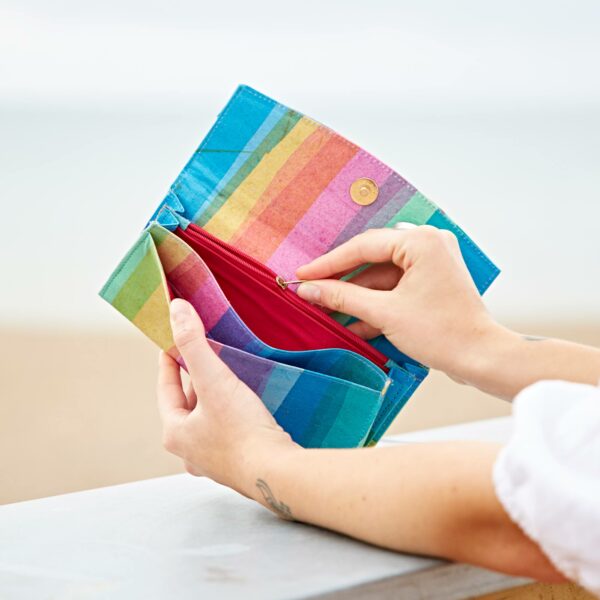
{"type": "Point", "coordinates": [252, 370]}
{"type": "Point", "coordinates": [231, 332]}
{"type": "Point", "coordinates": [404, 194]}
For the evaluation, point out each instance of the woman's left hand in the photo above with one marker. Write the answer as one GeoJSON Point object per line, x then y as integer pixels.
{"type": "Point", "coordinates": [220, 428]}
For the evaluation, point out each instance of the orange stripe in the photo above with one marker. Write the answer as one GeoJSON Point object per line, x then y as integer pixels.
{"type": "Point", "coordinates": [173, 253]}
{"type": "Point", "coordinates": [272, 226]}
{"type": "Point", "coordinates": [153, 318]}
{"type": "Point", "coordinates": [295, 163]}
{"type": "Point", "coordinates": [231, 216]}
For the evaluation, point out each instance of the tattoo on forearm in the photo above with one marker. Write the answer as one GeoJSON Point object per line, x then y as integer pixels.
{"type": "Point", "coordinates": [280, 508]}
{"type": "Point", "coordinates": [533, 338]}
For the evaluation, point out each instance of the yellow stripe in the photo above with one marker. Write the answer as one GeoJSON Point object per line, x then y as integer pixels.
{"type": "Point", "coordinates": [153, 319]}
{"type": "Point", "coordinates": [172, 252]}
{"type": "Point", "coordinates": [230, 217]}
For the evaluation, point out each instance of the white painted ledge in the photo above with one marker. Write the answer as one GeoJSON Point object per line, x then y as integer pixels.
{"type": "Point", "coordinates": [187, 538]}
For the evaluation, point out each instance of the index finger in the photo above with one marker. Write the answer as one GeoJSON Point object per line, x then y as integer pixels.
{"type": "Point", "coordinates": [372, 246]}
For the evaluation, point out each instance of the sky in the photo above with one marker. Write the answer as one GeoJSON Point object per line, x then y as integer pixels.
{"type": "Point", "coordinates": [491, 109]}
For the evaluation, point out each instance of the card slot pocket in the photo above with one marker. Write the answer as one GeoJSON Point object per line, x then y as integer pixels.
{"type": "Point", "coordinates": [189, 277]}
{"type": "Point", "coordinates": [275, 314]}
{"type": "Point", "coordinates": [317, 410]}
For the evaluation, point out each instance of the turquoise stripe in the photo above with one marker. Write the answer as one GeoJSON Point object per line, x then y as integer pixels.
{"type": "Point", "coordinates": [125, 268]}
{"type": "Point", "coordinates": [354, 419]}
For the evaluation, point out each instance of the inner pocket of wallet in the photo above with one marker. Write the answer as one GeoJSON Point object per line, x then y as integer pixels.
{"type": "Point", "coordinates": [277, 316]}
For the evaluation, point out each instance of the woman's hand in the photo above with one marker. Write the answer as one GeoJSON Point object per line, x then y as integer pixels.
{"type": "Point", "coordinates": [220, 426]}
{"type": "Point", "coordinates": [418, 293]}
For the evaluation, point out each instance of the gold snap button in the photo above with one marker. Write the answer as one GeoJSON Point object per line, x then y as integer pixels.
{"type": "Point", "coordinates": [364, 191]}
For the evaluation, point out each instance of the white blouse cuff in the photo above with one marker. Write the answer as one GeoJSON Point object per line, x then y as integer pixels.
{"type": "Point", "coordinates": [548, 475]}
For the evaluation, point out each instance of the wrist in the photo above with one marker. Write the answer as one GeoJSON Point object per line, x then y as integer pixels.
{"type": "Point", "coordinates": [263, 458]}
{"type": "Point", "coordinates": [479, 363]}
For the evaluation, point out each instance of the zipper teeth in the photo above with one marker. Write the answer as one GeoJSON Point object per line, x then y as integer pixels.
{"type": "Point", "coordinates": [263, 270]}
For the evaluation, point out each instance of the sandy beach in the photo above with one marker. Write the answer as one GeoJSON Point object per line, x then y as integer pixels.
{"type": "Point", "coordinates": [78, 408]}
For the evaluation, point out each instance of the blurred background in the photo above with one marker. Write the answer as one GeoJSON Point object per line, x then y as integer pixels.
{"type": "Point", "coordinates": [491, 109]}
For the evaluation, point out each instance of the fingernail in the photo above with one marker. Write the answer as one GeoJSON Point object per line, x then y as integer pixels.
{"type": "Point", "coordinates": [180, 312]}
{"type": "Point", "coordinates": [310, 292]}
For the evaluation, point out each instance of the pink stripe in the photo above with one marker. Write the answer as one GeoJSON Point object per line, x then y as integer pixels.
{"type": "Point", "coordinates": [315, 233]}
{"type": "Point", "coordinates": [194, 282]}
{"type": "Point", "coordinates": [209, 302]}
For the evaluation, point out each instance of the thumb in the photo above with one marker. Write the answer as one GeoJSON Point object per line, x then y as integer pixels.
{"type": "Point", "coordinates": [345, 297]}
{"type": "Point", "coordinates": [211, 377]}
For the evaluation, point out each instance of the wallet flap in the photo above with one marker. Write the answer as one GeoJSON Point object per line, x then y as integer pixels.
{"type": "Point", "coordinates": [285, 189]}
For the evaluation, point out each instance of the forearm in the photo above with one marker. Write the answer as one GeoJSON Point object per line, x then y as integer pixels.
{"type": "Point", "coordinates": [502, 362]}
{"type": "Point", "coordinates": [434, 499]}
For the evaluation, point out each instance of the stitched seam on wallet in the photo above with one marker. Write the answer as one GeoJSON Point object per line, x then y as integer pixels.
{"type": "Point", "coordinates": [407, 386]}
{"type": "Point", "coordinates": [217, 125]}
{"type": "Point", "coordinates": [390, 401]}
{"type": "Point", "coordinates": [402, 400]}
{"type": "Point", "coordinates": [220, 119]}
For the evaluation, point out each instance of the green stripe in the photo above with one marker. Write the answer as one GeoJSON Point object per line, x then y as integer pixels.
{"type": "Point", "coordinates": [125, 268]}
{"type": "Point", "coordinates": [279, 131]}
{"type": "Point", "coordinates": [417, 210]}
{"type": "Point", "coordinates": [140, 285]}
{"type": "Point", "coordinates": [159, 233]}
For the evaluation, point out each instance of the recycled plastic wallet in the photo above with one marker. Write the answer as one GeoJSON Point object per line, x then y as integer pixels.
{"type": "Point", "coordinates": [268, 190]}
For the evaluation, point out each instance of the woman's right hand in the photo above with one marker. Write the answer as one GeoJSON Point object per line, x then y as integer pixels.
{"type": "Point", "coordinates": [418, 293]}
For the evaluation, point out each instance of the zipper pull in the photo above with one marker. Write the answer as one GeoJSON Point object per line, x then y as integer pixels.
{"type": "Point", "coordinates": [282, 283]}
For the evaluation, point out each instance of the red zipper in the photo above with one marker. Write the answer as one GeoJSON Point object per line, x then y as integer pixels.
{"type": "Point", "coordinates": [272, 278]}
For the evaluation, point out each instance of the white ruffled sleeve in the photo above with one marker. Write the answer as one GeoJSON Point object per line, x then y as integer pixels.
{"type": "Point", "coordinates": [548, 476]}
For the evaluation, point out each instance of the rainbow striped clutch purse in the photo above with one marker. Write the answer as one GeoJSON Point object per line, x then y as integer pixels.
{"type": "Point", "coordinates": [268, 190]}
